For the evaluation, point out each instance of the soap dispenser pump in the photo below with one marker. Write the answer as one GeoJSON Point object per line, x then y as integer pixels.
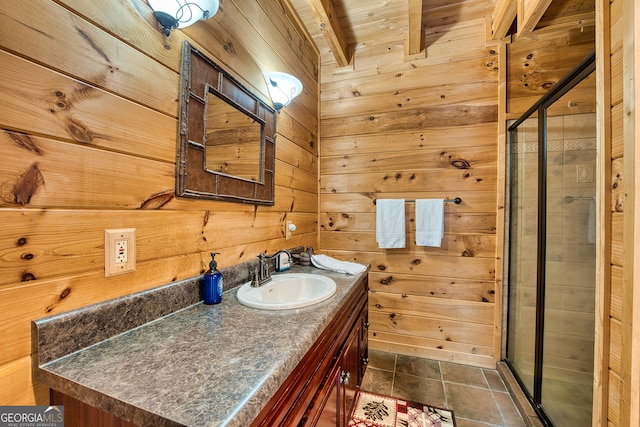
{"type": "Point", "coordinates": [212, 286]}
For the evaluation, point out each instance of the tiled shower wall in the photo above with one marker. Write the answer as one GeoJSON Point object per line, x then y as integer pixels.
{"type": "Point", "coordinates": [570, 291]}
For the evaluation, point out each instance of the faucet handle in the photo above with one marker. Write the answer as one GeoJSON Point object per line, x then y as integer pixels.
{"type": "Point", "coordinates": [255, 278]}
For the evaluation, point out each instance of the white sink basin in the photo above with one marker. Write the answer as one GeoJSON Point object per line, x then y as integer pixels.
{"type": "Point", "coordinates": [289, 290]}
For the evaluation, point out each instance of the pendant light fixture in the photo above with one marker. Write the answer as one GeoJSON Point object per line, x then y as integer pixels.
{"type": "Point", "coordinates": [172, 14]}
{"type": "Point", "coordinates": [283, 88]}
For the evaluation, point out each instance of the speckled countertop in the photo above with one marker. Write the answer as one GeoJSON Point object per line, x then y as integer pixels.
{"type": "Point", "coordinates": [203, 365]}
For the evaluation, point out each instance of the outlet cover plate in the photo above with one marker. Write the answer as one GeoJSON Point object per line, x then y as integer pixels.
{"type": "Point", "coordinates": [119, 251]}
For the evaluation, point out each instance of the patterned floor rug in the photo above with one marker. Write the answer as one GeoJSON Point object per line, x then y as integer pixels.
{"type": "Point", "coordinates": [374, 410]}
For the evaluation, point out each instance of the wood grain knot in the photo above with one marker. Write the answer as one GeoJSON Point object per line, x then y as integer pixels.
{"type": "Point", "coordinates": [157, 200]}
{"type": "Point", "coordinates": [78, 131]}
{"type": "Point", "coordinates": [25, 141]}
{"type": "Point", "coordinates": [26, 277]}
{"type": "Point", "coordinates": [460, 163]}
{"type": "Point", "coordinates": [229, 47]}
{"type": "Point", "coordinates": [28, 184]}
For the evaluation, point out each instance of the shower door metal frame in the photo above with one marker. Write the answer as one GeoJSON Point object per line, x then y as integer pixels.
{"type": "Point", "coordinates": [575, 76]}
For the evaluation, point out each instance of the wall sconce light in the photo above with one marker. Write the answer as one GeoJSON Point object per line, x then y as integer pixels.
{"type": "Point", "coordinates": [172, 14]}
{"type": "Point", "coordinates": [283, 88]}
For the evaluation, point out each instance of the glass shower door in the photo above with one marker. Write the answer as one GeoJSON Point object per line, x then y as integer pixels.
{"type": "Point", "coordinates": [552, 251]}
{"type": "Point", "coordinates": [569, 299]}
{"type": "Point", "coordinates": [522, 256]}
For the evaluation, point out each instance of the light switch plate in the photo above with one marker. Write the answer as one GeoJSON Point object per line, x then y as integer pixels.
{"type": "Point", "coordinates": [119, 251]}
{"type": "Point", "coordinates": [287, 230]}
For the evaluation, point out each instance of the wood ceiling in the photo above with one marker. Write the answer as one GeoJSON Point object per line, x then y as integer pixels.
{"type": "Point", "coordinates": [339, 26]}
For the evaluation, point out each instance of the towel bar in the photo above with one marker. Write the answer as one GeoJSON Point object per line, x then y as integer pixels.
{"type": "Point", "coordinates": [570, 199]}
{"type": "Point", "coordinates": [457, 201]}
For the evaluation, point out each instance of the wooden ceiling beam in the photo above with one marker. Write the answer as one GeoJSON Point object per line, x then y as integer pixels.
{"type": "Point", "coordinates": [502, 17]}
{"type": "Point", "coordinates": [325, 14]}
{"type": "Point", "coordinates": [529, 14]}
{"type": "Point", "coordinates": [415, 39]}
{"type": "Point", "coordinates": [582, 20]}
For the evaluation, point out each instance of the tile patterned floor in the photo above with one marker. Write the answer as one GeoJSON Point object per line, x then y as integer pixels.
{"type": "Point", "coordinates": [478, 396]}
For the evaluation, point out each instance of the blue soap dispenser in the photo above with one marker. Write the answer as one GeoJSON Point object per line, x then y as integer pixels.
{"type": "Point", "coordinates": [212, 286]}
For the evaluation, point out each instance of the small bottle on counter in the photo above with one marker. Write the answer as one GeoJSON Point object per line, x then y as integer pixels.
{"type": "Point", "coordinates": [212, 286]}
{"type": "Point", "coordinates": [305, 259]}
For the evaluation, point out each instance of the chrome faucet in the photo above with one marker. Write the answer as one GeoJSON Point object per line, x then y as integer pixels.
{"type": "Point", "coordinates": [262, 274]}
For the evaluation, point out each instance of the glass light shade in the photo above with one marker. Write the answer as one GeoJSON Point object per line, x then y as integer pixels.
{"type": "Point", "coordinates": [283, 88]}
{"type": "Point", "coordinates": [182, 13]}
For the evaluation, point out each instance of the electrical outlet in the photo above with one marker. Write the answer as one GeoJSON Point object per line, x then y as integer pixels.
{"type": "Point", "coordinates": [119, 251]}
{"type": "Point", "coordinates": [122, 251]}
{"type": "Point", "coordinates": [288, 229]}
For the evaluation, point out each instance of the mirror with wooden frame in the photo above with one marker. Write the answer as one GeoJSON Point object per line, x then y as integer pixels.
{"type": "Point", "coordinates": [226, 138]}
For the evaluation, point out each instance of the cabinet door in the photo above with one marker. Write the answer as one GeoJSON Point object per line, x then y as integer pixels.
{"type": "Point", "coordinates": [364, 342]}
{"type": "Point", "coordinates": [350, 373]}
{"type": "Point", "coordinates": [329, 411]}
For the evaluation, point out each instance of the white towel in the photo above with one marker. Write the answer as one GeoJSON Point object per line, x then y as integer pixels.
{"type": "Point", "coordinates": [327, 263]}
{"type": "Point", "coordinates": [390, 226]}
{"type": "Point", "coordinates": [429, 222]}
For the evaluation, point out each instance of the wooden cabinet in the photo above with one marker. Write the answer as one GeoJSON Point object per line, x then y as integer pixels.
{"type": "Point", "coordinates": [350, 377]}
{"type": "Point", "coordinates": [80, 414]}
{"type": "Point", "coordinates": [321, 390]}
{"type": "Point", "coordinates": [334, 400]}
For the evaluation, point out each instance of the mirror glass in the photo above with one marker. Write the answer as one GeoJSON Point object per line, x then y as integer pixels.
{"type": "Point", "coordinates": [226, 136]}
{"type": "Point", "coordinates": [233, 143]}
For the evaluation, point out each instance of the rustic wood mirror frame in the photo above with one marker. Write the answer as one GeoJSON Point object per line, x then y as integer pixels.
{"type": "Point", "coordinates": [200, 76]}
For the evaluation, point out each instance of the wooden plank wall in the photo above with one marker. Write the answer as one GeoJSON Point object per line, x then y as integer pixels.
{"type": "Point", "coordinates": [421, 128]}
{"type": "Point", "coordinates": [614, 321]}
{"type": "Point", "coordinates": [620, 18]}
{"type": "Point", "coordinates": [535, 64]}
{"type": "Point", "coordinates": [88, 139]}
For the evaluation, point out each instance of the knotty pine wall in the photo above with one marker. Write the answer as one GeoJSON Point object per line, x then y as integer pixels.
{"type": "Point", "coordinates": [419, 128]}
{"type": "Point", "coordinates": [88, 138]}
{"type": "Point", "coordinates": [614, 372]}
{"type": "Point", "coordinates": [618, 379]}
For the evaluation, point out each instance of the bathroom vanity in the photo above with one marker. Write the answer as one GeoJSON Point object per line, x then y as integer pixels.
{"type": "Point", "coordinates": [322, 387]}
{"type": "Point", "coordinates": [219, 365]}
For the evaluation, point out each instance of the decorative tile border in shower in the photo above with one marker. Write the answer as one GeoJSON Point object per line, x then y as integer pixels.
{"type": "Point", "coordinates": [556, 145]}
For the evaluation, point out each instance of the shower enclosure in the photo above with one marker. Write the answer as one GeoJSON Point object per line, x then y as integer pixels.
{"type": "Point", "coordinates": [551, 267]}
